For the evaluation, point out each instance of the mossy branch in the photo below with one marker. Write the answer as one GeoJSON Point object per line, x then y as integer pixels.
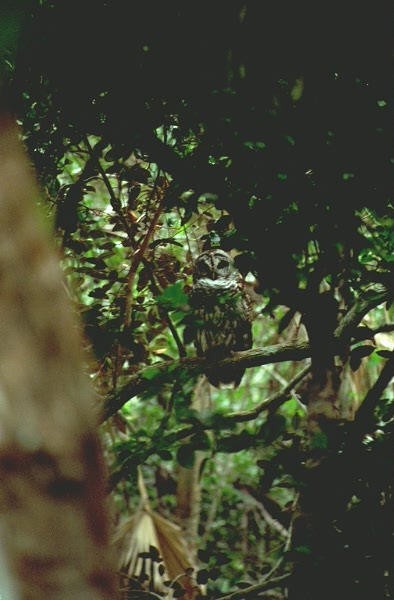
{"type": "Point", "coordinates": [142, 381]}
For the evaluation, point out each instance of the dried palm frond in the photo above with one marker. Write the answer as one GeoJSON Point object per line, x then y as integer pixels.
{"type": "Point", "coordinates": [152, 549]}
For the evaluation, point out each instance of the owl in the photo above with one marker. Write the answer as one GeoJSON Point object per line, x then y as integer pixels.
{"type": "Point", "coordinates": [223, 313]}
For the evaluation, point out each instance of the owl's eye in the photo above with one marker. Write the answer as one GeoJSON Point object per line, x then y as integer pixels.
{"type": "Point", "coordinates": [223, 264]}
{"type": "Point", "coordinates": [204, 269]}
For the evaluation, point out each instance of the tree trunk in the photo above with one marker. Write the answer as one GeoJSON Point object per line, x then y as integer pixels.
{"type": "Point", "coordinates": [337, 553]}
{"type": "Point", "coordinates": [188, 493]}
{"type": "Point", "coordinates": [53, 523]}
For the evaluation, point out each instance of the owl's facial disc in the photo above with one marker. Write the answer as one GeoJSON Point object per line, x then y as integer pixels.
{"type": "Point", "coordinates": [213, 265]}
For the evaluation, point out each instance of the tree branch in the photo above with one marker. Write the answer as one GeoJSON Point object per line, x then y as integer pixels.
{"type": "Point", "coordinates": [158, 194]}
{"type": "Point", "coordinates": [367, 333]}
{"type": "Point", "coordinates": [363, 305]}
{"type": "Point", "coordinates": [115, 202]}
{"type": "Point", "coordinates": [271, 403]}
{"type": "Point", "coordinates": [372, 398]}
{"type": "Point", "coordinates": [257, 588]}
{"type": "Point", "coordinates": [169, 370]}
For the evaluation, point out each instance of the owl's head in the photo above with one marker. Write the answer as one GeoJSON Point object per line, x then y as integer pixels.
{"type": "Point", "coordinates": [213, 264]}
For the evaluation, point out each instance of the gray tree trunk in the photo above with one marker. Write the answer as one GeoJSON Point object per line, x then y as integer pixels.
{"type": "Point", "coordinates": [53, 522]}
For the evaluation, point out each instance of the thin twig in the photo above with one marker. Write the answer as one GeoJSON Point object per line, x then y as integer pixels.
{"type": "Point", "coordinates": [164, 313]}
{"type": "Point", "coordinates": [362, 306]}
{"type": "Point", "coordinates": [140, 251]}
{"type": "Point", "coordinates": [115, 202]}
{"type": "Point", "coordinates": [262, 510]}
{"type": "Point", "coordinates": [272, 402]}
{"type": "Point", "coordinates": [256, 588]}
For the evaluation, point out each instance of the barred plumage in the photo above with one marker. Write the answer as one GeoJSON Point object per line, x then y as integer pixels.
{"type": "Point", "coordinates": [223, 313]}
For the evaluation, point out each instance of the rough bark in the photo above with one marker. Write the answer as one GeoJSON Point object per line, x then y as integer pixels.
{"type": "Point", "coordinates": [53, 523]}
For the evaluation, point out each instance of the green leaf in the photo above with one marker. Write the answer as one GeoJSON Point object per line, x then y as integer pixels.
{"type": "Point", "coordinates": [319, 441]}
{"type": "Point", "coordinates": [202, 576]}
{"type": "Point", "coordinates": [165, 455]}
{"type": "Point", "coordinates": [385, 353]}
{"type": "Point", "coordinates": [255, 145]}
{"type": "Point", "coordinates": [235, 442]}
{"type": "Point", "coordinates": [358, 354]}
{"type": "Point", "coordinates": [185, 456]}
{"type": "Point", "coordinates": [150, 373]}
{"type": "Point", "coordinates": [173, 297]}
{"type": "Point", "coordinates": [306, 550]}
{"type": "Point", "coordinates": [201, 441]}
{"type": "Point", "coordinates": [290, 139]}
{"type": "Point", "coordinates": [292, 407]}
{"type": "Point", "coordinates": [297, 89]}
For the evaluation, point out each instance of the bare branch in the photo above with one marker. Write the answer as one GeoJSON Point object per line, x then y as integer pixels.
{"type": "Point", "coordinates": [255, 357]}
{"type": "Point", "coordinates": [158, 195]}
{"type": "Point", "coordinates": [363, 305]}
{"type": "Point", "coordinates": [169, 370]}
{"type": "Point", "coordinates": [257, 588]}
{"type": "Point", "coordinates": [373, 396]}
{"type": "Point", "coordinates": [115, 202]}
{"type": "Point", "coordinates": [271, 403]}
{"type": "Point", "coordinates": [163, 312]}
{"type": "Point", "coordinates": [267, 517]}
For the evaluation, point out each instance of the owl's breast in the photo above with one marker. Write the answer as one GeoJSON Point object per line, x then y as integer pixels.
{"type": "Point", "coordinates": [222, 318]}
{"type": "Point", "coordinates": [207, 290]}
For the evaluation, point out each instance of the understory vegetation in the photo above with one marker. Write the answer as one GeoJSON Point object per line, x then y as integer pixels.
{"type": "Point", "coordinates": [175, 127]}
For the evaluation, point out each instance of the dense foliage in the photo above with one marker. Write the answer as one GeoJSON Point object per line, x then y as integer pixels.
{"type": "Point", "coordinates": [167, 128]}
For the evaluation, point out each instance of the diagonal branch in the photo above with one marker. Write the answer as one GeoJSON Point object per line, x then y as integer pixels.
{"type": "Point", "coordinates": [252, 590]}
{"type": "Point", "coordinates": [271, 404]}
{"type": "Point", "coordinates": [158, 194]}
{"type": "Point", "coordinates": [363, 305]}
{"type": "Point", "coordinates": [93, 152]}
{"type": "Point", "coordinates": [365, 412]}
{"type": "Point", "coordinates": [168, 370]}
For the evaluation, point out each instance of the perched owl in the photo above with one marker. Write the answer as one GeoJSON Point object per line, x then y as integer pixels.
{"type": "Point", "coordinates": [223, 313]}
